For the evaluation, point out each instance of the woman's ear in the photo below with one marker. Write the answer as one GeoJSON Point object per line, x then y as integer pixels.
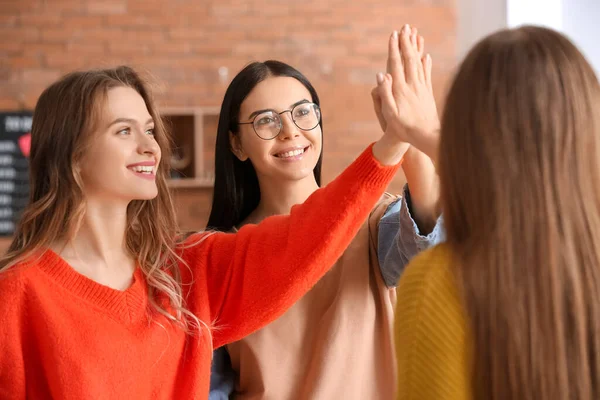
{"type": "Point", "coordinates": [236, 147]}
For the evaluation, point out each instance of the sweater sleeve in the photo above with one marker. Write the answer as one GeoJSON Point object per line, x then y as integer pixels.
{"type": "Point", "coordinates": [256, 274]}
{"type": "Point", "coordinates": [400, 239]}
{"type": "Point", "coordinates": [12, 318]}
{"type": "Point", "coordinates": [431, 346]}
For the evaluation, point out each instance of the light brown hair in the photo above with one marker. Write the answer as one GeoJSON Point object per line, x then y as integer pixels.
{"type": "Point", "coordinates": [63, 123]}
{"type": "Point", "coordinates": [519, 168]}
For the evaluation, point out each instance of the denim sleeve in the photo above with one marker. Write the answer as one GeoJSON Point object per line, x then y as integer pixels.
{"type": "Point", "coordinates": [400, 239]}
{"type": "Point", "coordinates": [222, 376]}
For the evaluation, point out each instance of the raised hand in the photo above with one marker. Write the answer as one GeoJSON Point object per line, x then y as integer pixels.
{"type": "Point", "coordinates": [405, 94]}
{"type": "Point", "coordinates": [419, 43]}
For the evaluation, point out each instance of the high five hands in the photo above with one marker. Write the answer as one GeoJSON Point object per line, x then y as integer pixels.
{"type": "Point", "coordinates": [403, 99]}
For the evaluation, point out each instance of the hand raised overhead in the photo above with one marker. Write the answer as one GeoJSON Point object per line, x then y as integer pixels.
{"type": "Point", "coordinates": [403, 99]}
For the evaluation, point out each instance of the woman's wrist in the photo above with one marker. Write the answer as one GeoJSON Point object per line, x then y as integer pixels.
{"type": "Point", "coordinates": [388, 150]}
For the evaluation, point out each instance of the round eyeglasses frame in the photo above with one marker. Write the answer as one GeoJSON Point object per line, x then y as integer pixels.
{"type": "Point", "coordinates": [291, 111]}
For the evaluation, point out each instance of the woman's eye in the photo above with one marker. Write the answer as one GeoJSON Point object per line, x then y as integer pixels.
{"type": "Point", "coordinates": [124, 131]}
{"type": "Point", "coordinates": [150, 132]}
{"type": "Point", "coordinates": [265, 121]}
{"type": "Point", "coordinates": [303, 112]}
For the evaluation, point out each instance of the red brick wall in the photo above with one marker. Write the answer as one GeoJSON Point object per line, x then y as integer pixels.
{"type": "Point", "coordinates": [338, 44]}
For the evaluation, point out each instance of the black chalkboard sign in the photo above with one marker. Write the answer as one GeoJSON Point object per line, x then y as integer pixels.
{"type": "Point", "coordinates": [15, 139]}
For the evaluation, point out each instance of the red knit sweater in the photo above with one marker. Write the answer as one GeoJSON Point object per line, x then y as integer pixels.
{"type": "Point", "coordinates": [64, 336]}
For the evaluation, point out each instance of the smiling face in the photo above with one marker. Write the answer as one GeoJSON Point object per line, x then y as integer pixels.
{"type": "Point", "coordinates": [294, 153]}
{"type": "Point", "coordinates": [122, 158]}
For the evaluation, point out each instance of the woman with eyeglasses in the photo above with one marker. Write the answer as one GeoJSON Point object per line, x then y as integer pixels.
{"type": "Point", "coordinates": [336, 342]}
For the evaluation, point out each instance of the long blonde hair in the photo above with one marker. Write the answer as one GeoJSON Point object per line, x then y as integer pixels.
{"type": "Point", "coordinates": [520, 181]}
{"type": "Point", "coordinates": [63, 122]}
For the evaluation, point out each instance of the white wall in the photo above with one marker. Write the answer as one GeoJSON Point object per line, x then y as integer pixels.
{"type": "Point", "coordinates": [581, 22]}
{"type": "Point", "coordinates": [477, 19]}
{"type": "Point", "coordinates": [578, 19]}
{"type": "Point", "coordinates": [534, 12]}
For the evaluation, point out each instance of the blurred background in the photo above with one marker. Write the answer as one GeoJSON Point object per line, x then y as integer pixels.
{"type": "Point", "coordinates": [192, 50]}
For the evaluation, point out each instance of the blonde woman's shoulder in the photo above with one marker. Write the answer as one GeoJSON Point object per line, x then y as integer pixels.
{"type": "Point", "coordinates": [434, 261]}
{"type": "Point", "coordinates": [431, 330]}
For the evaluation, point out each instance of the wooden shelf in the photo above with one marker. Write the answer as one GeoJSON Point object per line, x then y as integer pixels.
{"type": "Point", "coordinates": [194, 130]}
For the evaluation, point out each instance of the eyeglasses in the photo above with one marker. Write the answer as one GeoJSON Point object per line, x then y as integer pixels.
{"type": "Point", "coordinates": [267, 125]}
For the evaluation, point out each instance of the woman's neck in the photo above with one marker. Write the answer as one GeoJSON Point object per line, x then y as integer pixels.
{"type": "Point", "coordinates": [278, 198]}
{"type": "Point", "coordinates": [98, 249]}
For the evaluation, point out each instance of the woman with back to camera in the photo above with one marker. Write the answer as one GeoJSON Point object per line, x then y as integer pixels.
{"type": "Point", "coordinates": [508, 308]}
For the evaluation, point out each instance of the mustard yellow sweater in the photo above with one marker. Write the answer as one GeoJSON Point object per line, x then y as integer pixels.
{"type": "Point", "coordinates": [431, 331]}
